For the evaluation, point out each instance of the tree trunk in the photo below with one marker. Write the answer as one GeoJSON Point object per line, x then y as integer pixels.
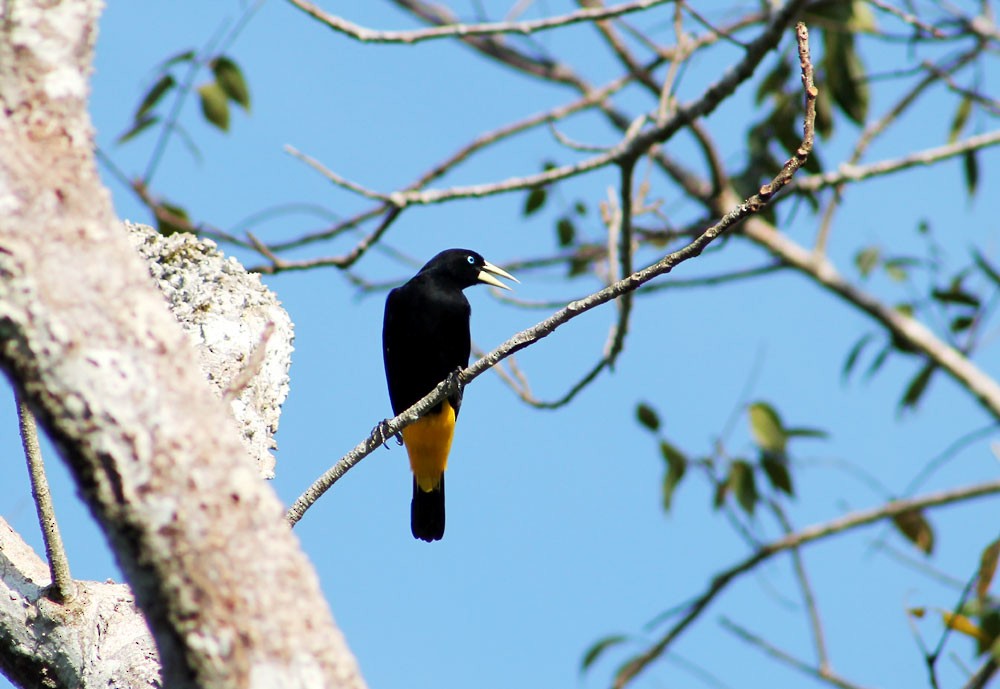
{"type": "Point", "coordinates": [230, 598]}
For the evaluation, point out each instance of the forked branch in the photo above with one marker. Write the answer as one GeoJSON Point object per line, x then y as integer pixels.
{"type": "Point", "coordinates": [626, 285]}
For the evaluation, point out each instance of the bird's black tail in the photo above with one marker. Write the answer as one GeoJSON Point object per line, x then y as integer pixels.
{"type": "Point", "coordinates": [427, 512]}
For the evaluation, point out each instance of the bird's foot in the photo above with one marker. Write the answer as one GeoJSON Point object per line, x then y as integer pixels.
{"type": "Point", "coordinates": [455, 384]}
{"type": "Point", "coordinates": [381, 432]}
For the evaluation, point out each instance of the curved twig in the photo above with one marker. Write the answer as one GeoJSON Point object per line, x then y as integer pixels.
{"type": "Point", "coordinates": [365, 35]}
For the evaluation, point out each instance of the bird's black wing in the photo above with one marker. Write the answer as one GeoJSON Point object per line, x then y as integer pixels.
{"type": "Point", "coordinates": [425, 337]}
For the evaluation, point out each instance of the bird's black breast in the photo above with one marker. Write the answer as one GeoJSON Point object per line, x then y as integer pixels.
{"type": "Point", "coordinates": [425, 336]}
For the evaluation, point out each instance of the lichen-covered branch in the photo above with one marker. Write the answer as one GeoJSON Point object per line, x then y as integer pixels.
{"type": "Point", "coordinates": [100, 639]}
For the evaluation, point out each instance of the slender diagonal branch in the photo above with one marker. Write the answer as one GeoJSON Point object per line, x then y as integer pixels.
{"type": "Point", "coordinates": [808, 595]}
{"type": "Point", "coordinates": [525, 338]}
{"type": "Point", "coordinates": [366, 35]}
{"type": "Point", "coordinates": [822, 673]}
{"type": "Point", "coordinates": [62, 588]}
{"type": "Point", "coordinates": [629, 149]}
{"type": "Point", "coordinates": [856, 173]}
{"type": "Point", "coordinates": [807, 535]}
{"type": "Point", "coordinates": [971, 377]}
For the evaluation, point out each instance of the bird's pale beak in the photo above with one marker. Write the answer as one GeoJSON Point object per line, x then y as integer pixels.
{"type": "Point", "coordinates": [485, 275]}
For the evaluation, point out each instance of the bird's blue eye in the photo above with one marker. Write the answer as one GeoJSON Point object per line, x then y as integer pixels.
{"type": "Point", "coordinates": [471, 260]}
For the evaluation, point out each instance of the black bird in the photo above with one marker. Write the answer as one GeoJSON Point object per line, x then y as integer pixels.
{"type": "Point", "coordinates": [425, 338]}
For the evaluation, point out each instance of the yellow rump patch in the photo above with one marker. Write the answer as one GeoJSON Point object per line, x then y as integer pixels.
{"type": "Point", "coordinates": [428, 442]}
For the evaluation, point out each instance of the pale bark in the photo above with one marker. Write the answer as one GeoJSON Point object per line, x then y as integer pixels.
{"type": "Point", "coordinates": [101, 640]}
{"type": "Point", "coordinates": [228, 313]}
{"type": "Point", "coordinates": [86, 338]}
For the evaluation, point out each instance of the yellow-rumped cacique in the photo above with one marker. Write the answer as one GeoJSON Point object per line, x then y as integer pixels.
{"type": "Point", "coordinates": [425, 338]}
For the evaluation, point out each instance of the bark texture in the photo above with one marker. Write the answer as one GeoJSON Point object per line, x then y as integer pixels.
{"type": "Point", "coordinates": [229, 316]}
{"type": "Point", "coordinates": [100, 640]}
{"type": "Point", "coordinates": [86, 338]}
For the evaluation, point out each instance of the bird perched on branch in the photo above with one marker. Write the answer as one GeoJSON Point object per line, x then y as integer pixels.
{"type": "Point", "coordinates": [425, 339]}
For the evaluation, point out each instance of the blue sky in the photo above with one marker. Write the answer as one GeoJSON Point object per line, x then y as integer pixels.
{"type": "Point", "coordinates": [555, 533]}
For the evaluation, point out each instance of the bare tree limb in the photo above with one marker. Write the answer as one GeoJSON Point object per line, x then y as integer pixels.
{"type": "Point", "coordinates": [364, 35]}
{"type": "Point", "coordinates": [100, 639]}
{"type": "Point", "coordinates": [856, 173]}
{"type": "Point", "coordinates": [630, 148]}
{"type": "Point", "coordinates": [808, 595]}
{"type": "Point", "coordinates": [110, 375]}
{"type": "Point", "coordinates": [630, 283]}
{"type": "Point", "coordinates": [822, 672]}
{"type": "Point", "coordinates": [964, 371]}
{"type": "Point", "coordinates": [807, 535]}
{"type": "Point", "coordinates": [62, 590]}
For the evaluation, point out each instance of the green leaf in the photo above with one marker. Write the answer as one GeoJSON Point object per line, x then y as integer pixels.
{"type": "Point", "coordinates": [987, 568]}
{"type": "Point", "coordinates": [676, 468]}
{"type": "Point", "coordinates": [824, 113]}
{"type": "Point", "coordinates": [896, 272]}
{"type": "Point", "coordinates": [137, 128]}
{"type": "Point", "coordinates": [785, 125]}
{"type": "Point", "coordinates": [154, 94]}
{"type": "Point", "coordinates": [961, 323]}
{"type": "Point", "coordinates": [579, 265]}
{"type": "Point", "coordinates": [897, 268]}
{"type": "Point", "coordinates": [862, 19]}
{"type": "Point", "coordinates": [721, 488]}
{"type": "Point", "coordinates": [845, 75]}
{"type": "Point", "coordinates": [171, 219]}
{"type": "Point", "coordinates": [766, 427]}
{"type": "Point", "coordinates": [956, 295]}
{"type": "Point", "coordinates": [877, 362]}
{"type": "Point", "coordinates": [580, 208]}
{"type": "Point", "coordinates": [743, 485]}
{"type": "Point", "coordinates": [647, 416]}
{"type": "Point", "coordinates": [852, 356]}
{"type": "Point", "coordinates": [805, 432]}
{"type": "Point", "coordinates": [989, 623]}
{"type": "Point", "coordinates": [960, 119]}
{"type": "Point", "coordinates": [866, 259]}
{"type": "Point", "coordinates": [774, 81]}
{"type": "Point", "coordinates": [566, 231]}
{"type": "Point", "coordinates": [777, 473]}
{"type": "Point", "coordinates": [536, 199]}
{"type": "Point", "coordinates": [230, 79]}
{"type": "Point", "coordinates": [970, 165]}
{"type": "Point", "coordinates": [916, 529]}
{"type": "Point", "coordinates": [915, 390]}
{"type": "Point", "coordinates": [185, 56]}
{"type": "Point", "coordinates": [599, 647]}
{"type": "Point", "coordinates": [985, 266]}
{"type": "Point", "coordinates": [214, 105]}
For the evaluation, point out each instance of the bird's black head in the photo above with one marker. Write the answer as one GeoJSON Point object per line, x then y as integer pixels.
{"type": "Point", "coordinates": [465, 268]}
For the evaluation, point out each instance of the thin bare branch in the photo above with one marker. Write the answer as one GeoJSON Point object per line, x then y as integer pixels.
{"type": "Point", "coordinates": [629, 148]}
{"type": "Point", "coordinates": [365, 35]}
{"type": "Point", "coordinates": [875, 129]}
{"type": "Point", "coordinates": [343, 261]}
{"type": "Point", "coordinates": [525, 338]}
{"type": "Point", "coordinates": [821, 673]}
{"type": "Point", "coordinates": [907, 329]}
{"type": "Point", "coordinates": [856, 173]}
{"type": "Point", "coordinates": [807, 535]}
{"type": "Point", "coordinates": [808, 596]}
{"type": "Point", "coordinates": [63, 588]}
{"type": "Point", "coordinates": [908, 18]}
